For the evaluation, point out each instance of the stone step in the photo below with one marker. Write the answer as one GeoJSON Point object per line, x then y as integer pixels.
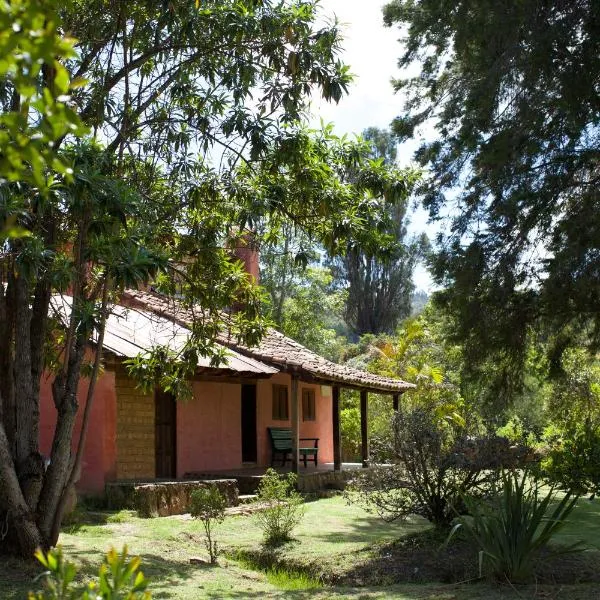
{"type": "Point", "coordinates": [248, 484]}
{"type": "Point", "coordinates": [163, 498]}
{"type": "Point", "coordinates": [247, 498]}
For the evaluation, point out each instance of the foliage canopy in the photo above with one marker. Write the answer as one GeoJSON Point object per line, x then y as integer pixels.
{"type": "Point", "coordinates": [193, 119]}
{"type": "Point", "coordinates": [512, 91]}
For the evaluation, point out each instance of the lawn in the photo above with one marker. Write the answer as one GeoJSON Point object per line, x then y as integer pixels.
{"type": "Point", "coordinates": [334, 539]}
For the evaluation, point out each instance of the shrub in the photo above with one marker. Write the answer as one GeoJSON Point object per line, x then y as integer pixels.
{"type": "Point", "coordinates": [573, 457]}
{"type": "Point", "coordinates": [283, 506]}
{"type": "Point", "coordinates": [208, 505]}
{"type": "Point", "coordinates": [425, 468]}
{"type": "Point", "coordinates": [516, 432]}
{"type": "Point", "coordinates": [511, 527]}
{"type": "Point", "coordinates": [350, 430]}
{"type": "Point", "coordinates": [119, 578]}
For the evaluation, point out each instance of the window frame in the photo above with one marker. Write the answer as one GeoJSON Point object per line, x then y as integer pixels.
{"type": "Point", "coordinates": [309, 401]}
{"type": "Point", "coordinates": [280, 399]}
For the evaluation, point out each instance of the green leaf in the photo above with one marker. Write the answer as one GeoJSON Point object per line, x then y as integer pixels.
{"type": "Point", "coordinates": [61, 78]}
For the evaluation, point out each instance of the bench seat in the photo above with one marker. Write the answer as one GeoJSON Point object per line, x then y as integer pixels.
{"type": "Point", "coordinates": [281, 444]}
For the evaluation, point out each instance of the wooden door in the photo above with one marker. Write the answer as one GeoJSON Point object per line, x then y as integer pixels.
{"type": "Point", "coordinates": [249, 423]}
{"type": "Point", "coordinates": [165, 435]}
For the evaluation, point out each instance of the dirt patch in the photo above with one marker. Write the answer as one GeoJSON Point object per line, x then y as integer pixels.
{"type": "Point", "coordinates": [424, 558]}
{"type": "Point", "coordinates": [580, 567]}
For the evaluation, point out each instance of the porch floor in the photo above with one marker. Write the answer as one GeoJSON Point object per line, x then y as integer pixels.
{"type": "Point", "coordinates": [252, 469]}
{"type": "Point", "coordinates": [310, 479]}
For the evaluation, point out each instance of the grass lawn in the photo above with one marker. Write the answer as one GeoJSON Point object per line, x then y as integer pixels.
{"type": "Point", "coordinates": [334, 538]}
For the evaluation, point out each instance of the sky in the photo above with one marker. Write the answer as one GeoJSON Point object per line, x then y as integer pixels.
{"type": "Point", "coordinates": [372, 51]}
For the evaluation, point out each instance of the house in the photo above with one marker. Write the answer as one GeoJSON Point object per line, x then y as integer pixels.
{"type": "Point", "coordinates": [141, 436]}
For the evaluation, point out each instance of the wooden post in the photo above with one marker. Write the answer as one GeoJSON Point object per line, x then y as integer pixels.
{"type": "Point", "coordinates": [337, 439]}
{"type": "Point", "coordinates": [396, 398]}
{"type": "Point", "coordinates": [364, 427]}
{"type": "Point", "coordinates": [295, 425]}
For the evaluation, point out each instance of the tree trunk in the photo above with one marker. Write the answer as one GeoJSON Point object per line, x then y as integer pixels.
{"type": "Point", "coordinates": [75, 471]}
{"type": "Point", "coordinates": [28, 461]}
{"type": "Point", "coordinates": [21, 518]}
{"type": "Point", "coordinates": [64, 390]}
{"type": "Point", "coordinates": [7, 387]}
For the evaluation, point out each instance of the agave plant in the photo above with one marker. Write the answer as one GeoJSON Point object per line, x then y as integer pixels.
{"type": "Point", "coordinates": [515, 525]}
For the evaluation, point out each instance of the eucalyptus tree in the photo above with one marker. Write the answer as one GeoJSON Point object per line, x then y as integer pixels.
{"type": "Point", "coordinates": [511, 89]}
{"type": "Point", "coordinates": [193, 127]}
{"type": "Point", "coordinates": [378, 279]}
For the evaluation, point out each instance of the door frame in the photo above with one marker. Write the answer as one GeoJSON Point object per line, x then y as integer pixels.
{"type": "Point", "coordinates": [244, 389]}
{"type": "Point", "coordinates": [158, 393]}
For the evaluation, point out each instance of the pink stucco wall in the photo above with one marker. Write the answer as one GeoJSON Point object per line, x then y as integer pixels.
{"type": "Point", "coordinates": [99, 458]}
{"type": "Point", "coordinates": [322, 427]}
{"type": "Point", "coordinates": [209, 425]}
{"type": "Point", "coordinates": [209, 429]}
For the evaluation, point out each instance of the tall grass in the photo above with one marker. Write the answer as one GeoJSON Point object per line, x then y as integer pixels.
{"type": "Point", "coordinates": [288, 580]}
{"type": "Point", "coordinates": [280, 575]}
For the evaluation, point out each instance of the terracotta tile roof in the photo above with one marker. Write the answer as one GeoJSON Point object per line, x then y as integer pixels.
{"type": "Point", "coordinates": [275, 349]}
{"type": "Point", "coordinates": [131, 330]}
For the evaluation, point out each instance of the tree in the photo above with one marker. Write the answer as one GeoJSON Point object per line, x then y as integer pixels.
{"type": "Point", "coordinates": [379, 284]}
{"type": "Point", "coordinates": [572, 438]}
{"type": "Point", "coordinates": [283, 264]}
{"type": "Point", "coordinates": [313, 312]}
{"type": "Point", "coordinates": [30, 48]}
{"type": "Point", "coordinates": [172, 91]}
{"type": "Point", "coordinates": [419, 353]}
{"type": "Point", "coordinates": [301, 299]}
{"type": "Point", "coordinates": [512, 91]}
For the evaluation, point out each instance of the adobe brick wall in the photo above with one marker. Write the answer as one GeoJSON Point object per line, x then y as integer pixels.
{"type": "Point", "coordinates": [135, 429]}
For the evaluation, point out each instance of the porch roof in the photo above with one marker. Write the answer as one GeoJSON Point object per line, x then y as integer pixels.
{"type": "Point", "coordinates": [276, 350]}
{"type": "Point", "coordinates": [288, 355]}
{"type": "Point", "coordinates": [131, 331]}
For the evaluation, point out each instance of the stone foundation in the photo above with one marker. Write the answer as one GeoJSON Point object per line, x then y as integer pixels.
{"type": "Point", "coordinates": [162, 499]}
{"type": "Point", "coordinates": [307, 482]}
{"type": "Point", "coordinates": [324, 480]}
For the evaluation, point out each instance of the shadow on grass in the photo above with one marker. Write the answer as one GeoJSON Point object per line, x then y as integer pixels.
{"type": "Point", "coordinates": [476, 591]}
{"type": "Point", "coordinates": [17, 577]}
{"type": "Point", "coordinates": [294, 595]}
{"type": "Point", "coordinates": [161, 571]}
{"type": "Point", "coordinates": [424, 557]}
{"type": "Point", "coordinates": [370, 528]}
{"type": "Point", "coordinates": [82, 518]}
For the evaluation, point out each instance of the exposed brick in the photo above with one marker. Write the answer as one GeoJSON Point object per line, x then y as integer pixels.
{"type": "Point", "coordinates": [135, 430]}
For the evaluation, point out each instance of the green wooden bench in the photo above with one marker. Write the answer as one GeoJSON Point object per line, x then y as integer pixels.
{"type": "Point", "coordinates": [281, 443]}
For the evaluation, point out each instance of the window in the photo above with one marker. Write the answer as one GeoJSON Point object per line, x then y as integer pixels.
{"type": "Point", "coordinates": [308, 405]}
{"type": "Point", "coordinates": [280, 403]}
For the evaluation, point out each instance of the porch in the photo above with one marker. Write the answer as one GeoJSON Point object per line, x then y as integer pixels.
{"type": "Point", "coordinates": [164, 497]}
{"type": "Point", "coordinates": [310, 479]}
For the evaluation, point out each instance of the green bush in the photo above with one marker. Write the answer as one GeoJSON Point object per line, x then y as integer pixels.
{"type": "Point", "coordinates": [512, 526]}
{"type": "Point", "coordinates": [350, 430]}
{"type": "Point", "coordinates": [208, 505]}
{"type": "Point", "coordinates": [573, 457]}
{"type": "Point", "coordinates": [514, 431]}
{"type": "Point", "coordinates": [427, 466]}
{"type": "Point", "coordinates": [283, 507]}
{"type": "Point", "coordinates": [119, 578]}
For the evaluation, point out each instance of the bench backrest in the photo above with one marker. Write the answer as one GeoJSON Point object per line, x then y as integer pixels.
{"type": "Point", "coordinates": [281, 437]}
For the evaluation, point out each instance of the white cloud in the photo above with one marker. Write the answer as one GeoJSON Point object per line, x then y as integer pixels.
{"type": "Point", "coordinates": [372, 51]}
